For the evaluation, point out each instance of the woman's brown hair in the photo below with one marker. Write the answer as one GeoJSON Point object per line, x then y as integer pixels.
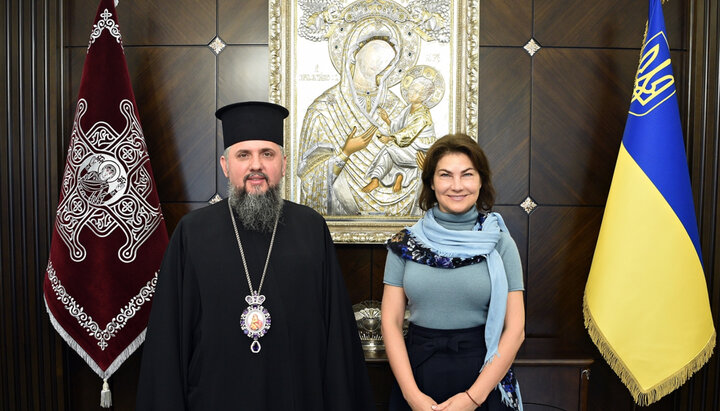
{"type": "Point", "coordinates": [457, 143]}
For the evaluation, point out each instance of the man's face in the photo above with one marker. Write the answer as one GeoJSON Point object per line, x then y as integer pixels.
{"type": "Point", "coordinates": [254, 165]}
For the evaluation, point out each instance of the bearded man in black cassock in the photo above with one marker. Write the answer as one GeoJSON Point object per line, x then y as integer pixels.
{"type": "Point", "coordinates": [251, 311]}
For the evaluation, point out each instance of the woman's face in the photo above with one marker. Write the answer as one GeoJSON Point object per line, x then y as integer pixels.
{"type": "Point", "coordinates": [456, 183]}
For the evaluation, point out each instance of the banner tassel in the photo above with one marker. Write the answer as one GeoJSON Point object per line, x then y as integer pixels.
{"type": "Point", "coordinates": [105, 395]}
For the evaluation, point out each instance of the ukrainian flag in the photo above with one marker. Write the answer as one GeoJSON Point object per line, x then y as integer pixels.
{"type": "Point", "coordinates": [646, 302]}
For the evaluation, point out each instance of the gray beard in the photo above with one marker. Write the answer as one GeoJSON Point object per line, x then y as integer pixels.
{"type": "Point", "coordinates": [257, 212]}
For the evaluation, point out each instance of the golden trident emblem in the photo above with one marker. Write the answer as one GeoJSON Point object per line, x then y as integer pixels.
{"type": "Point", "coordinates": [650, 81]}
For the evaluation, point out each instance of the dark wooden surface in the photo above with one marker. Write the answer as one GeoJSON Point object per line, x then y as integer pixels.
{"type": "Point", "coordinates": [551, 125]}
{"type": "Point", "coordinates": [580, 102]}
{"type": "Point", "coordinates": [505, 77]}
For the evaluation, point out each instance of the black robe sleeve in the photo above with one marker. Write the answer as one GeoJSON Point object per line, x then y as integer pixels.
{"type": "Point", "coordinates": [346, 385]}
{"type": "Point", "coordinates": [169, 339]}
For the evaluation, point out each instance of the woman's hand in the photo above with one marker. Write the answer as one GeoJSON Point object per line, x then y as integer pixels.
{"type": "Point", "coordinates": [510, 340]}
{"type": "Point", "coordinates": [420, 402]}
{"type": "Point", "coordinates": [458, 402]}
{"type": "Point", "coordinates": [353, 143]}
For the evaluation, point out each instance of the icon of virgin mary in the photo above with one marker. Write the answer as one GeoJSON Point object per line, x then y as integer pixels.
{"type": "Point", "coordinates": [339, 137]}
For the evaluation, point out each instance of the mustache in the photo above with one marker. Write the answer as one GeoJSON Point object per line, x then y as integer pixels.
{"type": "Point", "coordinates": [255, 174]}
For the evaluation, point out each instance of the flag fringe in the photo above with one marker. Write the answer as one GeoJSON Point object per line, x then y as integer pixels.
{"type": "Point", "coordinates": [653, 394]}
{"type": "Point", "coordinates": [104, 374]}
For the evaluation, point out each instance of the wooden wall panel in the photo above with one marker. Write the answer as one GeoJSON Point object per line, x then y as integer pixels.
{"type": "Point", "coordinates": [606, 392]}
{"type": "Point", "coordinates": [243, 22]}
{"type": "Point", "coordinates": [379, 255]}
{"type": "Point", "coordinates": [174, 88]}
{"type": "Point", "coordinates": [561, 244]}
{"type": "Point", "coordinates": [517, 221]}
{"type": "Point", "coordinates": [78, 20]}
{"type": "Point", "coordinates": [179, 22]}
{"type": "Point", "coordinates": [74, 58]}
{"type": "Point", "coordinates": [173, 212]}
{"type": "Point", "coordinates": [605, 24]}
{"type": "Point", "coordinates": [243, 74]}
{"type": "Point", "coordinates": [504, 124]}
{"type": "Point", "coordinates": [580, 100]}
{"type": "Point", "coordinates": [356, 265]}
{"type": "Point", "coordinates": [221, 182]}
{"type": "Point", "coordinates": [505, 22]}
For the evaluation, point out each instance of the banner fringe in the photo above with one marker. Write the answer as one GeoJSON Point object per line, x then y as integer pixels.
{"type": "Point", "coordinates": [104, 374]}
{"type": "Point", "coordinates": [653, 394]}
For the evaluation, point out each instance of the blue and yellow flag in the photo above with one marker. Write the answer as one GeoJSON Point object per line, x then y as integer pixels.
{"type": "Point", "coordinates": [646, 302]}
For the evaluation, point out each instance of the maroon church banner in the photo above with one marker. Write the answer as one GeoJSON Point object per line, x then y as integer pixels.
{"type": "Point", "coordinates": [109, 235]}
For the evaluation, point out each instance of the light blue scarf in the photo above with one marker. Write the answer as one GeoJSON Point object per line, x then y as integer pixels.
{"type": "Point", "coordinates": [465, 244]}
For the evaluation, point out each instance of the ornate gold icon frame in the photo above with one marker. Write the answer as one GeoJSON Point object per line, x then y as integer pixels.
{"type": "Point", "coordinates": [337, 65]}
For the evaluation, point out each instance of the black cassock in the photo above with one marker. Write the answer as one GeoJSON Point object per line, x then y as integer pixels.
{"type": "Point", "coordinates": [196, 356]}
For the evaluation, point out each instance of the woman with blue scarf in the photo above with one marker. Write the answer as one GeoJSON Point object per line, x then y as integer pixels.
{"type": "Point", "coordinates": [458, 271]}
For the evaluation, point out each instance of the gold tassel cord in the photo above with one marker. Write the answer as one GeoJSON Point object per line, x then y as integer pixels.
{"type": "Point", "coordinates": [653, 394]}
